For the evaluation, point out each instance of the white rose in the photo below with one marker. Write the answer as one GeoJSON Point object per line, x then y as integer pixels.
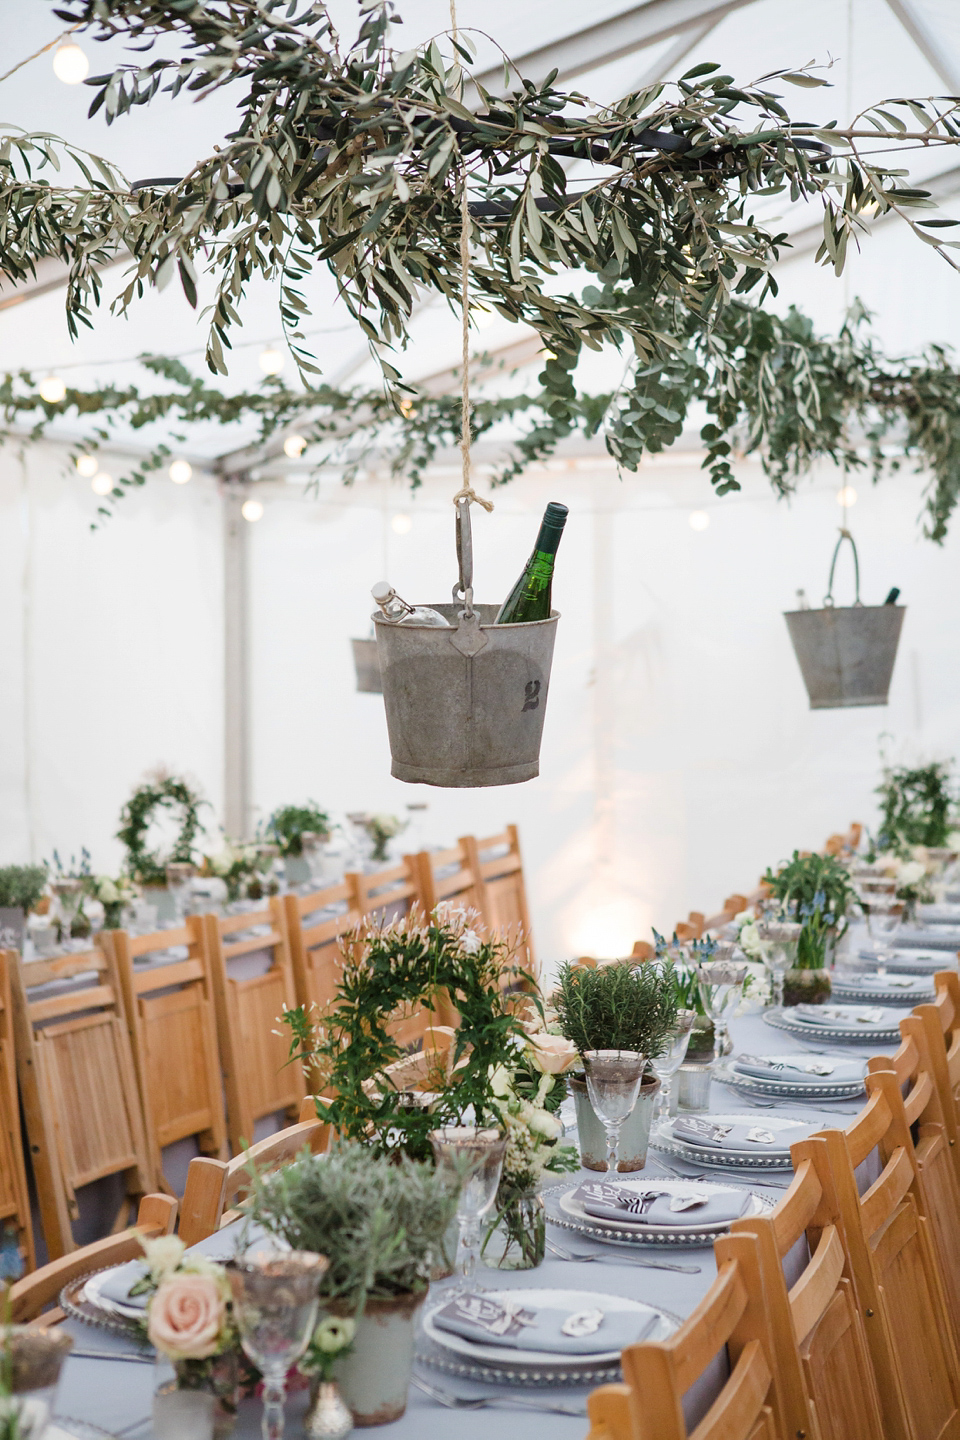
{"type": "Point", "coordinates": [911, 872]}
{"type": "Point", "coordinates": [500, 1079]}
{"type": "Point", "coordinates": [107, 891]}
{"type": "Point", "coordinates": [541, 1122]}
{"type": "Point", "coordinates": [553, 1053]}
{"type": "Point", "coordinates": [163, 1255]}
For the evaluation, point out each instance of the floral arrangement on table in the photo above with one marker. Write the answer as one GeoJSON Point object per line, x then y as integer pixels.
{"type": "Point", "coordinates": [73, 924]}
{"type": "Point", "coordinates": [242, 866]}
{"type": "Point", "coordinates": [382, 829]}
{"type": "Point", "coordinates": [189, 1320]}
{"type": "Point", "coordinates": [114, 894]}
{"type": "Point", "coordinates": [160, 793]}
{"type": "Point", "coordinates": [288, 824]}
{"type": "Point", "coordinates": [917, 806]}
{"type": "Point", "coordinates": [817, 891]}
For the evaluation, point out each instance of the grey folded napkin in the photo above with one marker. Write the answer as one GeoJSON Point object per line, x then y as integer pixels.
{"type": "Point", "coordinates": [799, 1069]}
{"type": "Point", "coordinates": [115, 1284]}
{"type": "Point", "coordinates": [693, 1207]}
{"type": "Point", "coordinates": [839, 1017]}
{"type": "Point", "coordinates": [716, 1135]}
{"type": "Point", "coordinates": [488, 1322]}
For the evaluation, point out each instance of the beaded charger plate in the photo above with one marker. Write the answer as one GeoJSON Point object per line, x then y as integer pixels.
{"type": "Point", "coordinates": [873, 990]}
{"type": "Point", "coordinates": [564, 1211]}
{"type": "Point", "coordinates": [81, 1300]}
{"type": "Point", "coordinates": [887, 1033]}
{"type": "Point", "coordinates": [783, 1089]}
{"type": "Point", "coordinates": [719, 1158]}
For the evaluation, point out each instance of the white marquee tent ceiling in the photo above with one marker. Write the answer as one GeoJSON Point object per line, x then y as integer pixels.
{"type": "Point", "coordinates": [874, 48]}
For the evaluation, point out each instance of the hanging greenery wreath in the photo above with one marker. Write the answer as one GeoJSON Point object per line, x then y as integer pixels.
{"type": "Point", "coordinates": [354, 156]}
{"type": "Point", "coordinates": [387, 973]}
{"type": "Point", "coordinates": [167, 792]}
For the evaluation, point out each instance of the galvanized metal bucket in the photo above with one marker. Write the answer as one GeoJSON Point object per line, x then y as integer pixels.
{"type": "Point", "coordinates": [846, 653]}
{"type": "Point", "coordinates": [366, 662]}
{"type": "Point", "coordinates": [465, 706]}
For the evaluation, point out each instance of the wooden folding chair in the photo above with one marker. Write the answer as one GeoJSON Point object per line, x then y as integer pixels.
{"type": "Point", "coordinates": [497, 860]}
{"type": "Point", "coordinates": [79, 1087]}
{"type": "Point", "coordinates": [173, 1034]}
{"type": "Point", "coordinates": [33, 1296]}
{"type": "Point", "coordinates": [906, 1080]}
{"type": "Point", "coordinates": [14, 1197]}
{"type": "Point", "coordinates": [315, 946]}
{"type": "Point", "coordinates": [387, 894]}
{"type": "Point", "coordinates": [824, 1375]}
{"type": "Point", "coordinates": [895, 1271]}
{"type": "Point", "coordinates": [257, 1078]}
{"type": "Point", "coordinates": [941, 1023]}
{"type": "Point", "coordinates": [452, 875]}
{"type": "Point", "coordinates": [214, 1187]}
{"type": "Point", "coordinates": [657, 1376]}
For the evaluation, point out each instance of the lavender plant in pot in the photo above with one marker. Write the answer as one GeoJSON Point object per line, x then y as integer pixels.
{"type": "Point", "coordinates": [621, 1006]}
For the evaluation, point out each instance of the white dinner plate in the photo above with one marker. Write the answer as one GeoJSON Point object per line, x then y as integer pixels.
{"type": "Point", "coordinates": [572, 1207]}
{"type": "Point", "coordinates": [764, 1157]}
{"type": "Point", "coordinates": [92, 1295]}
{"type": "Point", "coordinates": [502, 1356]}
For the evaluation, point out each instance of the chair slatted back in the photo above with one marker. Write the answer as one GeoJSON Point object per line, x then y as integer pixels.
{"type": "Point", "coordinates": [824, 1375]}
{"type": "Point", "coordinates": [14, 1198]}
{"type": "Point", "coordinates": [33, 1296]}
{"type": "Point", "coordinates": [77, 1079]}
{"type": "Point", "coordinates": [658, 1374]}
{"type": "Point", "coordinates": [214, 1186]}
{"type": "Point", "coordinates": [173, 1034]}
{"type": "Point", "coordinates": [315, 946]}
{"type": "Point", "coordinates": [941, 1021]}
{"type": "Point", "coordinates": [894, 1267]}
{"type": "Point", "coordinates": [451, 875]}
{"type": "Point", "coordinates": [498, 862]}
{"type": "Point", "coordinates": [257, 1078]}
{"type": "Point", "coordinates": [393, 891]}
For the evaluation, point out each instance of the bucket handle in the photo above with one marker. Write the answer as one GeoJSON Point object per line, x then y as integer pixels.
{"type": "Point", "coordinates": [828, 599]}
{"type": "Point", "coordinates": [463, 590]}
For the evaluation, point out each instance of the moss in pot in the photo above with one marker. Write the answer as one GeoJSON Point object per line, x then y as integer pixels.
{"type": "Point", "coordinates": [380, 1219]}
{"type": "Point", "coordinates": [621, 1006]}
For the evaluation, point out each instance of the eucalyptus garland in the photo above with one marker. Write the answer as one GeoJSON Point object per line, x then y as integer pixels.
{"type": "Point", "coordinates": [148, 867]}
{"type": "Point", "coordinates": [354, 156]}
{"type": "Point", "coordinates": [778, 390]}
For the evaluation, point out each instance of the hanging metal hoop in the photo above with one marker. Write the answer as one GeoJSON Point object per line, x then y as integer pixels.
{"type": "Point", "coordinates": [828, 600]}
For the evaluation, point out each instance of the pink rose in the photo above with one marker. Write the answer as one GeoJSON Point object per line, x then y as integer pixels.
{"type": "Point", "coordinates": [187, 1314]}
{"type": "Point", "coordinates": [554, 1053]}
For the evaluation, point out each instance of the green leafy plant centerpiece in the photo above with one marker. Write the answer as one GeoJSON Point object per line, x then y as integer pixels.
{"type": "Point", "coordinates": [163, 793]}
{"type": "Point", "coordinates": [816, 890]}
{"type": "Point", "coordinates": [22, 887]}
{"type": "Point", "coordinates": [288, 824]}
{"type": "Point", "coordinates": [916, 806]}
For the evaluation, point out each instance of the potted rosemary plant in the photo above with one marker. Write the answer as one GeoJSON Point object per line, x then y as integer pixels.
{"type": "Point", "coordinates": [21, 888]}
{"type": "Point", "coordinates": [287, 827]}
{"type": "Point", "coordinates": [380, 1218]}
{"type": "Point", "coordinates": [623, 1006]}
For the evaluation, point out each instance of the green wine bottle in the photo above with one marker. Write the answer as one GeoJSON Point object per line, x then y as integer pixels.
{"type": "Point", "coordinates": [530, 597]}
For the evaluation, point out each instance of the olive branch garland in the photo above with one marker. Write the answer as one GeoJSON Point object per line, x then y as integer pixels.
{"type": "Point", "coordinates": [167, 793]}
{"type": "Point", "coordinates": [771, 385]}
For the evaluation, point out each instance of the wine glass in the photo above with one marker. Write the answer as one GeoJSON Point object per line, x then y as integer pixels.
{"type": "Point", "coordinates": [275, 1300]}
{"type": "Point", "coordinates": [668, 1062]}
{"type": "Point", "coordinates": [613, 1078]}
{"type": "Point", "coordinates": [721, 988]}
{"type": "Point", "coordinates": [884, 917]}
{"type": "Point", "coordinates": [179, 875]}
{"type": "Point", "coordinates": [69, 893]}
{"type": "Point", "coordinates": [473, 1159]}
{"type": "Point", "coordinates": [779, 939]}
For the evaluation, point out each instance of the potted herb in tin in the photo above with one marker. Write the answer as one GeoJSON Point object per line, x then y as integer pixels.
{"type": "Point", "coordinates": [21, 889]}
{"type": "Point", "coordinates": [287, 827]}
{"type": "Point", "coordinates": [622, 1006]}
{"type": "Point", "coordinates": [380, 1218]}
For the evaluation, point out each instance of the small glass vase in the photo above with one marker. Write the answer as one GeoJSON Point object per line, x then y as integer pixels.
{"type": "Point", "coordinates": [329, 1417]}
{"type": "Point", "coordinates": [516, 1237]}
{"type": "Point", "coordinates": [220, 1377]}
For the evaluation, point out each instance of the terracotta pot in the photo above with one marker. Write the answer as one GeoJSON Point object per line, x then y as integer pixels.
{"type": "Point", "coordinates": [375, 1376]}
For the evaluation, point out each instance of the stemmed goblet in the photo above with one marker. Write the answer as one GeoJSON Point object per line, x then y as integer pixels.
{"type": "Point", "coordinates": [473, 1159]}
{"type": "Point", "coordinates": [779, 940]}
{"type": "Point", "coordinates": [275, 1299]}
{"type": "Point", "coordinates": [613, 1078]}
{"type": "Point", "coordinates": [884, 918]}
{"type": "Point", "coordinates": [69, 893]}
{"type": "Point", "coordinates": [721, 988]}
{"type": "Point", "coordinates": [179, 875]}
{"type": "Point", "coordinates": [668, 1062]}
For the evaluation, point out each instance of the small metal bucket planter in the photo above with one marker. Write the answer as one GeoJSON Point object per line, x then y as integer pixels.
{"type": "Point", "coordinates": [465, 706]}
{"type": "Point", "coordinates": [374, 1376]}
{"type": "Point", "coordinates": [634, 1136]}
{"type": "Point", "coordinates": [846, 653]}
{"type": "Point", "coordinates": [366, 662]}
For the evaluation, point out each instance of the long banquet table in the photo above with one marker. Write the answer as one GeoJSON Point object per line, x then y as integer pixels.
{"type": "Point", "coordinates": [116, 1395]}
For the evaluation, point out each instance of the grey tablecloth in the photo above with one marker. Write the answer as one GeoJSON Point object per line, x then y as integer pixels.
{"type": "Point", "coordinates": [117, 1395]}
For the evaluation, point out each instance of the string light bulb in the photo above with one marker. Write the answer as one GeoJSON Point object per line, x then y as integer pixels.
{"type": "Point", "coordinates": [101, 484]}
{"type": "Point", "coordinates": [70, 64]}
{"type": "Point", "coordinates": [699, 520]}
{"type": "Point", "coordinates": [252, 510]}
{"type": "Point", "coordinates": [180, 472]}
{"type": "Point", "coordinates": [401, 524]}
{"type": "Point", "coordinates": [87, 466]}
{"type": "Point", "coordinates": [52, 389]}
{"type": "Point", "coordinates": [294, 446]}
{"type": "Point", "coordinates": [271, 360]}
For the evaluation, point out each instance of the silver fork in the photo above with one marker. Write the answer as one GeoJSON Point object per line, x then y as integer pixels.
{"type": "Point", "coordinates": [562, 1254]}
{"type": "Point", "coordinates": [484, 1402]}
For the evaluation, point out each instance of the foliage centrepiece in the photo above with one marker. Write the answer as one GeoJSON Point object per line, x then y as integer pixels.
{"type": "Point", "coordinates": [22, 886]}
{"type": "Point", "coordinates": [288, 824]}
{"type": "Point", "coordinates": [816, 890]}
{"type": "Point", "coordinates": [166, 792]}
{"type": "Point", "coordinates": [624, 1006]}
{"type": "Point", "coordinates": [355, 157]}
{"type": "Point", "coordinates": [917, 805]}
